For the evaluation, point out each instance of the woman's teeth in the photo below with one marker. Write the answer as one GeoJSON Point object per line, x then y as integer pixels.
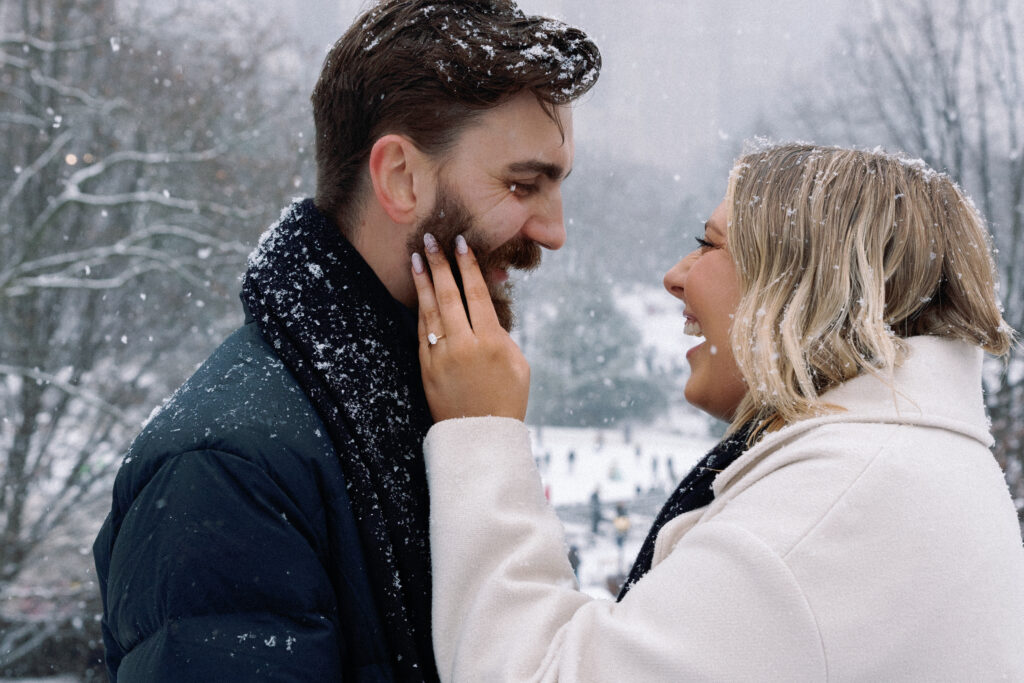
{"type": "Point", "coordinates": [692, 328]}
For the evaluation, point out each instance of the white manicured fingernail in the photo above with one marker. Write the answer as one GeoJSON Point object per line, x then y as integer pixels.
{"type": "Point", "coordinates": [460, 245]}
{"type": "Point", "coordinates": [417, 263]}
{"type": "Point", "coordinates": [430, 243]}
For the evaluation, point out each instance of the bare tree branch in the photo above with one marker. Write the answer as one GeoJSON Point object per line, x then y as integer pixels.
{"type": "Point", "coordinates": [84, 473]}
{"type": "Point", "coordinates": [82, 96]}
{"type": "Point", "coordinates": [17, 62]}
{"type": "Point", "coordinates": [23, 286]}
{"type": "Point", "coordinates": [151, 158]}
{"type": "Point", "coordinates": [78, 392]}
{"type": "Point", "coordinates": [22, 119]}
{"type": "Point", "coordinates": [19, 94]}
{"type": "Point", "coordinates": [73, 195]}
{"type": "Point", "coordinates": [884, 42]}
{"type": "Point", "coordinates": [77, 235]}
{"type": "Point", "coordinates": [125, 248]}
{"type": "Point", "coordinates": [28, 174]}
{"type": "Point", "coordinates": [20, 641]}
{"type": "Point", "coordinates": [47, 45]}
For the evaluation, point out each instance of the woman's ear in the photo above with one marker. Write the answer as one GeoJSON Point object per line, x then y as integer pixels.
{"type": "Point", "coordinates": [401, 175]}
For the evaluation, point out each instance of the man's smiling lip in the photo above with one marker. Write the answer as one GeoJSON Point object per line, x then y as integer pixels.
{"type": "Point", "coordinates": [498, 275]}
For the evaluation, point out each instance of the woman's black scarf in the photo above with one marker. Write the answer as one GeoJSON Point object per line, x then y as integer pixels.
{"type": "Point", "coordinates": [353, 349]}
{"type": "Point", "coordinates": [693, 492]}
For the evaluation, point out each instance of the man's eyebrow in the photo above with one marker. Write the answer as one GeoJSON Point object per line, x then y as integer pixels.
{"type": "Point", "coordinates": [552, 171]}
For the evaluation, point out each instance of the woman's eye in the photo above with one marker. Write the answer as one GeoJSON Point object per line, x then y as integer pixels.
{"type": "Point", "coordinates": [704, 244]}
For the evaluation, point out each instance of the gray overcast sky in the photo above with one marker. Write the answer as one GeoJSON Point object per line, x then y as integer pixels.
{"type": "Point", "coordinates": [683, 82]}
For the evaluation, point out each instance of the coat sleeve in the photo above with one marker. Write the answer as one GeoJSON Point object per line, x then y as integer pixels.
{"type": "Point", "coordinates": [214, 575]}
{"type": "Point", "coordinates": [721, 606]}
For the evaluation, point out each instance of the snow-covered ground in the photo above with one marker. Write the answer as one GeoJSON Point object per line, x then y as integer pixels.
{"type": "Point", "coordinates": [618, 463]}
{"type": "Point", "coordinates": [638, 470]}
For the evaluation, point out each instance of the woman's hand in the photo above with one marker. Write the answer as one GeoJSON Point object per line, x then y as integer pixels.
{"type": "Point", "coordinates": [473, 368]}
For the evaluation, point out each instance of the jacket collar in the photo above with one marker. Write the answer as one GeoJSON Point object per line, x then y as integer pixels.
{"type": "Point", "coordinates": [938, 385]}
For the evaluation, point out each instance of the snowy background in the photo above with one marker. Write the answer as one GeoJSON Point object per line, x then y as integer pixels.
{"type": "Point", "coordinates": [148, 144]}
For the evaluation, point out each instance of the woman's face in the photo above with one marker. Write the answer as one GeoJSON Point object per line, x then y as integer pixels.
{"type": "Point", "coordinates": [705, 280]}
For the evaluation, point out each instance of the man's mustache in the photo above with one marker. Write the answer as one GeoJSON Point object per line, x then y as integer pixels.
{"type": "Point", "coordinates": [521, 253]}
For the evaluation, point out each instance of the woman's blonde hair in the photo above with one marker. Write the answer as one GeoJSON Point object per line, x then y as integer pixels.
{"type": "Point", "coordinates": [841, 254]}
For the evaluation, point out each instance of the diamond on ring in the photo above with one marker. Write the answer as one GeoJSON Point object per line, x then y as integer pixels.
{"type": "Point", "coordinates": [432, 338]}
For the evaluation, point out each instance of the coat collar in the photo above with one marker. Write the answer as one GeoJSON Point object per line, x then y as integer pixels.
{"type": "Point", "coordinates": [938, 385]}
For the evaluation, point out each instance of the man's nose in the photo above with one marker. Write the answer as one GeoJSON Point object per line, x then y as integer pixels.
{"type": "Point", "coordinates": [547, 226]}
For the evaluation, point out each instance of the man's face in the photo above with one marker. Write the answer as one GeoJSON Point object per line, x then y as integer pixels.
{"type": "Point", "coordinates": [452, 218]}
{"type": "Point", "coordinates": [501, 187]}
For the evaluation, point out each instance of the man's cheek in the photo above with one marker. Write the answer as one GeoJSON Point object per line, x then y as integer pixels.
{"type": "Point", "coordinates": [478, 240]}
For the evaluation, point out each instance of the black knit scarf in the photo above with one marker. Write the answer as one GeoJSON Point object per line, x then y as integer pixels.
{"type": "Point", "coordinates": [353, 349]}
{"type": "Point", "coordinates": [693, 492]}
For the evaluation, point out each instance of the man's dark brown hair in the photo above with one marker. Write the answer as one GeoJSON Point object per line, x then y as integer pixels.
{"type": "Point", "coordinates": [425, 69]}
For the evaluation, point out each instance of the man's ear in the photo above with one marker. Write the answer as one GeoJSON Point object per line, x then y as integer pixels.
{"type": "Point", "coordinates": [401, 176]}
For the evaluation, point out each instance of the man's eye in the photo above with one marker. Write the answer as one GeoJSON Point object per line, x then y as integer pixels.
{"type": "Point", "coordinates": [522, 189]}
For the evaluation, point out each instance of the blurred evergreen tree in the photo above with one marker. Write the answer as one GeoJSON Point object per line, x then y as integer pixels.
{"type": "Point", "coordinates": [586, 358]}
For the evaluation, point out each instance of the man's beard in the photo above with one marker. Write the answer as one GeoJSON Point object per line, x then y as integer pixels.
{"type": "Point", "coordinates": [450, 219]}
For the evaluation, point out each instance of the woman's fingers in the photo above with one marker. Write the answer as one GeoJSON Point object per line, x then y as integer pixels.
{"type": "Point", "coordinates": [429, 318]}
{"type": "Point", "coordinates": [478, 297]}
{"type": "Point", "coordinates": [480, 371]}
{"type": "Point", "coordinates": [449, 300]}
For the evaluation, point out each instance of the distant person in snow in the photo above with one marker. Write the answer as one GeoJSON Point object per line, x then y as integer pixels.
{"type": "Point", "coordinates": [574, 560]}
{"type": "Point", "coordinates": [271, 522]}
{"type": "Point", "coordinates": [851, 525]}
{"type": "Point", "coordinates": [621, 523]}
{"type": "Point", "coordinates": [595, 512]}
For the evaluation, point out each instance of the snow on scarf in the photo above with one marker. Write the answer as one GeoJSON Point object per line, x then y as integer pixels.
{"type": "Point", "coordinates": [353, 349]}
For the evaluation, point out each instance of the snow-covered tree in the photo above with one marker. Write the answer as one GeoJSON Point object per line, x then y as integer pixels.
{"type": "Point", "coordinates": [137, 171]}
{"type": "Point", "coordinates": [626, 224]}
{"type": "Point", "coordinates": [615, 208]}
{"type": "Point", "coordinates": [586, 357]}
{"type": "Point", "coordinates": [945, 81]}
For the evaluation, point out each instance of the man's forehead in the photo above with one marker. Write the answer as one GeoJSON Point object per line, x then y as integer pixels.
{"type": "Point", "coordinates": [553, 170]}
{"type": "Point", "coordinates": [524, 130]}
{"type": "Point", "coordinates": [517, 153]}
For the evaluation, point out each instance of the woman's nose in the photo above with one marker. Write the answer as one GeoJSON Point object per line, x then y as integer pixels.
{"type": "Point", "coordinates": [675, 278]}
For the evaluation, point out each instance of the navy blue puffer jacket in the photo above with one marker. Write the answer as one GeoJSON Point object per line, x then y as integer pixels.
{"type": "Point", "coordinates": [230, 552]}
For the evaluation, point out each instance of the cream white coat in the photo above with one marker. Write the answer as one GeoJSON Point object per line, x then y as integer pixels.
{"type": "Point", "coordinates": [879, 543]}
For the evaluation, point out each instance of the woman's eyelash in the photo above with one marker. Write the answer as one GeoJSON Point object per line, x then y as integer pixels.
{"type": "Point", "coordinates": [704, 244]}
